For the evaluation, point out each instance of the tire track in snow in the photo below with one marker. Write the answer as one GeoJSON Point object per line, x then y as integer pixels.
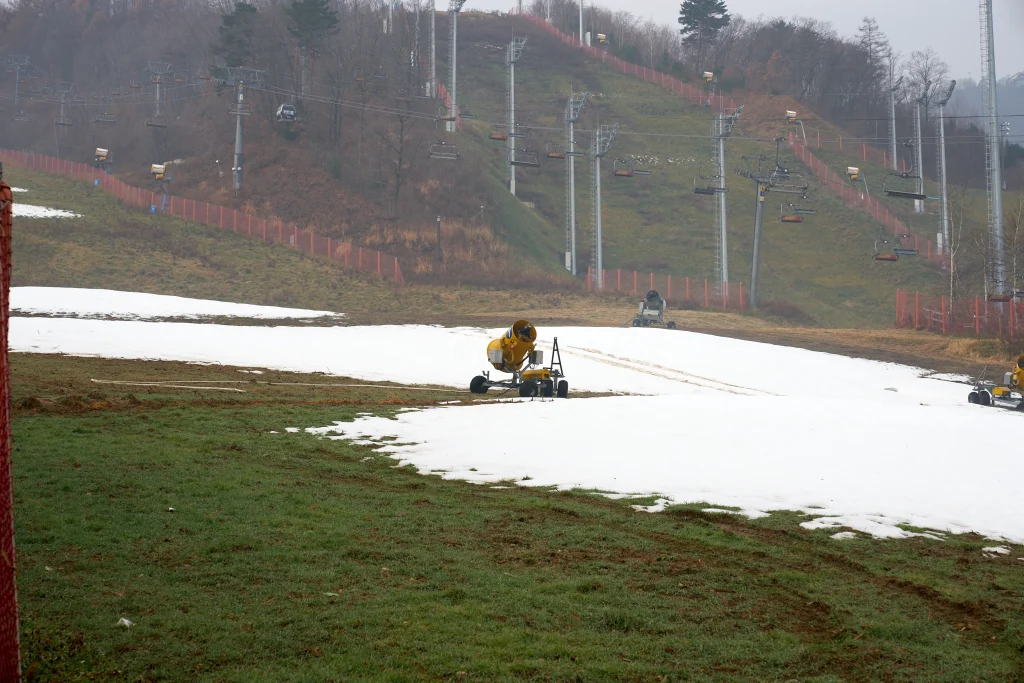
{"type": "Point", "coordinates": [664, 372]}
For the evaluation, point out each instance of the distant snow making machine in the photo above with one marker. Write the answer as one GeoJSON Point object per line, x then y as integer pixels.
{"type": "Point", "coordinates": [514, 352]}
{"type": "Point", "coordinates": [652, 312]}
{"type": "Point", "coordinates": [1009, 394]}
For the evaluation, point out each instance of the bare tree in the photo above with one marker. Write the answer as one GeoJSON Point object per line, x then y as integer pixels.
{"type": "Point", "coordinates": [926, 75]}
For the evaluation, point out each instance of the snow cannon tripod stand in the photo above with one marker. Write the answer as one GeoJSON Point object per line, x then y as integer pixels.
{"type": "Point", "coordinates": [514, 353]}
{"type": "Point", "coordinates": [652, 312]}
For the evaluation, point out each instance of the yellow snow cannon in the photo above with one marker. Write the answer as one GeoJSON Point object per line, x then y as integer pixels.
{"type": "Point", "coordinates": [1009, 394]}
{"type": "Point", "coordinates": [515, 353]}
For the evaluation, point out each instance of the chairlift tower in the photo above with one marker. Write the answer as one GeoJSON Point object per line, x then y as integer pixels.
{"type": "Point", "coordinates": [573, 110]}
{"type": "Point", "coordinates": [721, 128]}
{"type": "Point", "coordinates": [512, 55]}
{"type": "Point", "coordinates": [602, 141]}
{"type": "Point", "coordinates": [64, 92]}
{"type": "Point", "coordinates": [454, 7]}
{"type": "Point", "coordinates": [158, 71]}
{"type": "Point", "coordinates": [432, 79]}
{"type": "Point", "coordinates": [918, 159]}
{"type": "Point", "coordinates": [993, 151]}
{"type": "Point", "coordinates": [240, 110]}
{"type": "Point", "coordinates": [19, 64]}
{"type": "Point", "coordinates": [943, 189]}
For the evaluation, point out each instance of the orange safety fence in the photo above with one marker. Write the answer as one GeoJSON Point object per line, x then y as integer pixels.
{"type": "Point", "coordinates": [267, 230]}
{"type": "Point", "coordinates": [856, 198]}
{"type": "Point", "coordinates": [696, 95]}
{"type": "Point", "coordinates": [964, 316]}
{"type": "Point", "coordinates": [683, 292]}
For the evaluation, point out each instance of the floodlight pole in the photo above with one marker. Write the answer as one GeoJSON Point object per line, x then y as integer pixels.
{"type": "Point", "coordinates": [993, 149]}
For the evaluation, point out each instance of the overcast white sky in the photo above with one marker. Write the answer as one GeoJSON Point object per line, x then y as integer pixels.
{"type": "Point", "coordinates": [949, 26]}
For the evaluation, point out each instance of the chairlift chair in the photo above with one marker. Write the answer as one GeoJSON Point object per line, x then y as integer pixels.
{"type": "Point", "coordinates": [134, 84]}
{"type": "Point", "coordinates": [554, 151]}
{"type": "Point", "coordinates": [22, 116]}
{"type": "Point", "coordinates": [528, 157]}
{"type": "Point", "coordinates": [443, 150]}
{"type": "Point", "coordinates": [378, 72]}
{"type": "Point", "coordinates": [702, 183]}
{"type": "Point", "coordinates": [157, 121]}
{"type": "Point", "coordinates": [105, 118]}
{"type": "Point", "coordinates": [286, 113]}
{"type": "Point", "coordinates": [115, 91]}
{"type": "Point", "coordinates": [498, 133]}
{"type": "Point", "coordinates": [788, 182]}
{"type": "Point", "coordinates": [444, 114]}
{"type": "Point", "coordinates": [519, 132]}
{"type": "Point", "coordinates": [63, 121]}
{"type": "Point", "coordinates": [906, 185]}
{"type": "Point", "coordinates": [640, 171]}
{"type": "Point", "coordinates": [403, 95]}
{"type": "Point", "coordinates": [789, 218]}
{"type": "Point", "coordinates": [465, 113]}
{"type": "Point", "coordinates": [884, 256]}
{"type": "Point", "coordinates": [622, 169]}
{"type": "Point", "coordinates": [1000, 298]}
{"type": "Point", "coordinates": [359, 75]}
{"type": "Point", "coordinates": [180, 78]}
{"type": "Point", "coordinates": [203, 75]}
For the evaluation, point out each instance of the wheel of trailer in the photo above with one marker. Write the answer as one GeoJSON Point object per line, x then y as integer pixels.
{"type": "Point", "coordinates": [528, 389]}
{"type": "Point", "coordinates": [973, 397]}
{"type": "Point", "coordinates": [478, 385]}
{"type": "Point", "coordinates": [563, 389]}
{"type": "Point", "coordinates": [985, 398]}
{"type": "Point", "coordinates": [547, 388]}
{"type": "Point", "coordinates": [671, 326]}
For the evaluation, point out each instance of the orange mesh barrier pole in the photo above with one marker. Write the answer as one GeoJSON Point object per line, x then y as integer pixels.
{"type": "Point", "coordinates": [705, 293]}
{"type": "Point", "coordinates": [943, 315]}
{"type": "Point", "coordinates": [634, 282]}
{"type": "Point", "coordinates": [743, 303]}
{"type": "Point", "coordinates": [652, 280]}
{"type": "Point", "coordinates": [604, 277]}
{"type": "Point", "coordinates": [865, 152]}
{"type": "Point", "coordinates": [669, 295]}
{"type": "Point", "coordinates": [248, 218]}
{"type": "Point", "coordinates": [330, 254]}
{"type": "Point", "coordinates": [687, 289]}
{"type": "Point", "coordinates": [1013, 318]}
{"type": "Point", "coordinates": [897, 323]}
{"type": "Point", "coordinates": [221, 224]}
{"type": "Point", "coordinates": [618, 280]}
{"type": "Point", "coordinates": [378, 263]}
{"type": "Point", "coordinates": [840, 143]}
{"type": "Point", "coordinates": [917, 310]}
{"type": "Point", "coordinates": [977, 317]}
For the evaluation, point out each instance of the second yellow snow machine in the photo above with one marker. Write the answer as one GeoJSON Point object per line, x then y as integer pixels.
{"type": "Point", "coordinates": [514, 352]}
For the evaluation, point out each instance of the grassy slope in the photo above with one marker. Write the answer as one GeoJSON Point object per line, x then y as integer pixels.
{"type": "Point", "coordinates": [656, 222]}
{"type": "Point", "coordinates": [294, 558]}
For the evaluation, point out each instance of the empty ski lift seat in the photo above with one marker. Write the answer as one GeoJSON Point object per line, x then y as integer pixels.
{"type": "Point", "coordinates": [887, 257]}
{"type": "Point", "coordinates": [1000, 298]}
{"type": "Point", "coordinates": [528, 158]}
{"type": "Point", "coordinates": [106, 118]}
{"type": "Point", "coordinates": [22, 116]}
{"type": "Point", "coordinates": [157, 122]}
{"type": "Point", "coordinates": [622, 169]}
{"type": "Point", "coordinates": [903, 251]}
{"type": "Point", "coordinates": [553, 151]}
{"type": "Point", "coordinates": [442, 150]}
{"type": "Point", "coordinates": [791, 219]}
{"type": "Point", "coordinates": [63, 121]}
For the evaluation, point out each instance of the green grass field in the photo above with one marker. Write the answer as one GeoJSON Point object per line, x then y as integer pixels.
{"type": "Point", "coordinates": [289, 557]}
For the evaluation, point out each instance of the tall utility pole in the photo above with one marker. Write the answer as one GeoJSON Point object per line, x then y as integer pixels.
{"type": "Point", "coordinates": [240, 110]}
{"type": "Point", "coordinates": [721, 128]}
{"type": "Point", "coordinates": [432, 83]}
{"type": "Point", "coordinates": [943, 190]}
{"type": "Point", "coordinates": [573, 109]}
{"type": "Point", "coordinates": [894, 85]}
{"type": "Point", "coordinates": [918, 158]}
{"type": "Point", "coordinates": [512, 55]}
{"type": "Point", "coordinates": [763, 179]}
{"type": "Point", "coordinates": [454, 7]}
{"type": "Point", "coordinates": [18, 63]}
{"type": "Point", "coordinates": [604, 137]}
{"type": "Point", "coordinates": [993, 155]}
{"type": "Point", "coordinates": [581, 22]}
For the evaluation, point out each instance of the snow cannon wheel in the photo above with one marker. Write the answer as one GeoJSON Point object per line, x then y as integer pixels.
{"type": "Point", "coordinates": [1020, 407]}
{"type": "Point", "coordinates": [671, 325]}
{"type": "Point", "coordinates": [547, 388]}
{"type": "Point", "coordinates": [984, 398]}
{"type": "Point", "coordinates": [478, 385]}
{"type": "Point", "coordinates": [563, 389]}
{"type": "Point", "coordinates": [636, 323]}
{"type": "Point", "coordinates": [973, 398]}
{"type": "Point", "coordinates": [528, 389]}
